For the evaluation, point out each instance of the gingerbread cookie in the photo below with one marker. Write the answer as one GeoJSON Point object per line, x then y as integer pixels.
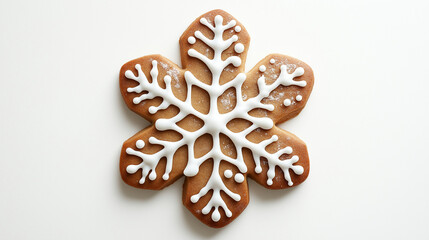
{"type": "Point", "coordinates": [213, 123]}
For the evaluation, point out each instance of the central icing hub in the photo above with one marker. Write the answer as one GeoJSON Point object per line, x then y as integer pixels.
{"type": "Point", "coordinates": [214, 124]}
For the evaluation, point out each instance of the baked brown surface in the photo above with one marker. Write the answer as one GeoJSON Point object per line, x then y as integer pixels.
{"type": "Point", "coordinates": [227, 101]}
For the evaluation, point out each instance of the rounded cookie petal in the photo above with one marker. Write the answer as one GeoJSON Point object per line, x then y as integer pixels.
{"type": "Point", "coordinates": [152, 159]}
{"type": "Point", "coordinates": [213, 207]}
{"type": "Point", "coordinates": [285, 163]}
{"type": "Point", "coordinates": [146, 97]}
{"type": "Point", "coordinates": [292, 78]}
{"type": "Point", "coordinates": [232, 52]}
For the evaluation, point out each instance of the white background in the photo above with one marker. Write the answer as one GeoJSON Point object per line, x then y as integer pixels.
{"type": "Point", "coordinates": [63, 121]}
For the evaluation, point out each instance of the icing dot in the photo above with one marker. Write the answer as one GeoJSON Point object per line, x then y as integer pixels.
{"type": "Point", "coordinates": [299, 72]}
{"type": "Point", "coordinates": [236, 61]}
{"type": "Point", "coordinates": [216, 216]}
{"type": "Point", "coordinates": [152, 110]}
{"type": "Point", "coordinates": [165, 176]}
{"type": "Point", "coordinates": [239, 48]}
{"type": "Point", "coordinates": [191, 40]}
{"type": "Point", "coordinates": [299, 170]}
{"type": "Point", "coordinates": [239, 177]}
{"type": "Point", "coordinates": [272, 61]}
{"type": "Point", "coordinates": [227, 173]}
{"type": "Point", "coordinates": [218, 19]}
{"type": "Point", "coordinates": [298, 98]}
{"type": "Point", "coordinates": [262, 68]}
{"type": "Point", "coordinates": [131, 169]}
{"type": "Point", "coordinates": [167, 79]}
{"type": "Point", "coordinates": [205, 210]}
{"type": "Point", "coordinates": [287, 102]}
{"type": "Point", "coordinates": [288, 150]}
{"type": "Point", "coordinates": [237, 28]}
{"type": "Point", "coordinates": [140, 144]}
{"type": "Point", "coordinates": [194, 199]}
{"type": "Point", "coordinates": [152, 175]}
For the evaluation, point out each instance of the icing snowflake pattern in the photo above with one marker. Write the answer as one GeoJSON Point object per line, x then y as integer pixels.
{"type": "Point", "coordinates": [215, 122]}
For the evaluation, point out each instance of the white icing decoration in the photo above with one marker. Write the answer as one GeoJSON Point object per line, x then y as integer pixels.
{"type": "Point", "coordinates": [227, 173]}
{"type": "Point", "coordinates": [287, 102]}
{"type": "Point", "coordinates": [140, 144]}
{"type": "Point", "coordinates": [285, 165]}
{"type": "Point", "coordinates": [298, 98]}
{"type": "Point", "coordinates": [237, 28]}
{"type": "Point", "coordinates": [262, 68]}
{"type": "Point", "coordinates": [214, 122]}
{"type": "Point", "coordinates": [191, 40]}
{"type": "Point", "coordinates": [239, 178]}
{"type": "Point", "coordinates": [272, 61]}
{"type": "Point", "coordinates": [239, 48]}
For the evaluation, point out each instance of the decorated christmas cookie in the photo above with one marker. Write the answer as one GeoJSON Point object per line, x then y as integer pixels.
{"type": "Point", "coordinates": [213, 123]}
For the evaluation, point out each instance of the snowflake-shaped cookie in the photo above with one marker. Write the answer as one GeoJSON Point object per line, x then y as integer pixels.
{"type": "Point", "coordinates": [213, 123]}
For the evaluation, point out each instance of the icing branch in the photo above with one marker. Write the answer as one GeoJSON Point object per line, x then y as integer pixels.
{"type": "Point", "coordinates": [150, 161]}
{"type": "Point", "coordinates": [286, 79]}
{"type": "Point", "coordinates": [215, 181]}
{"type": "Point", "coordinates": [214, 121]}
{"type": "Point", "coordinates": [207, 24]}
{"type": "Point", "coordinates": [217, 43]}
{"type": "Point", "coordinates": [242, 111]}
{"type": "Point", "coordinates": [258, 151]}
{"type": "Point", "coordinates": [285, 165]}
{"type": "Point", "coordinates": [238, 80]}
{"type": "Point", "coordinates": [243, 107]}
{"type": "Point", "coordinates": [216, 184]}
{"type": "Point", "coordinates": [194, 53]}
{"type": "Point", "coordinates": [191, 79]}
{"type": "Point", "coordinates": [216, 65]}
{"type": "Point", "coordinates": [154, 90]}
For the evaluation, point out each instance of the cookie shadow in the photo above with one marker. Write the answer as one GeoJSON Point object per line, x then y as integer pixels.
{"type": "Point", "coordinates": [132, 193]}
{"type": "Point", "coordinates": [197, 227]}
{"type": "Point", "coordinates": [265, 194]}
{"type": "Point", "coordinates": [255, 190]}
